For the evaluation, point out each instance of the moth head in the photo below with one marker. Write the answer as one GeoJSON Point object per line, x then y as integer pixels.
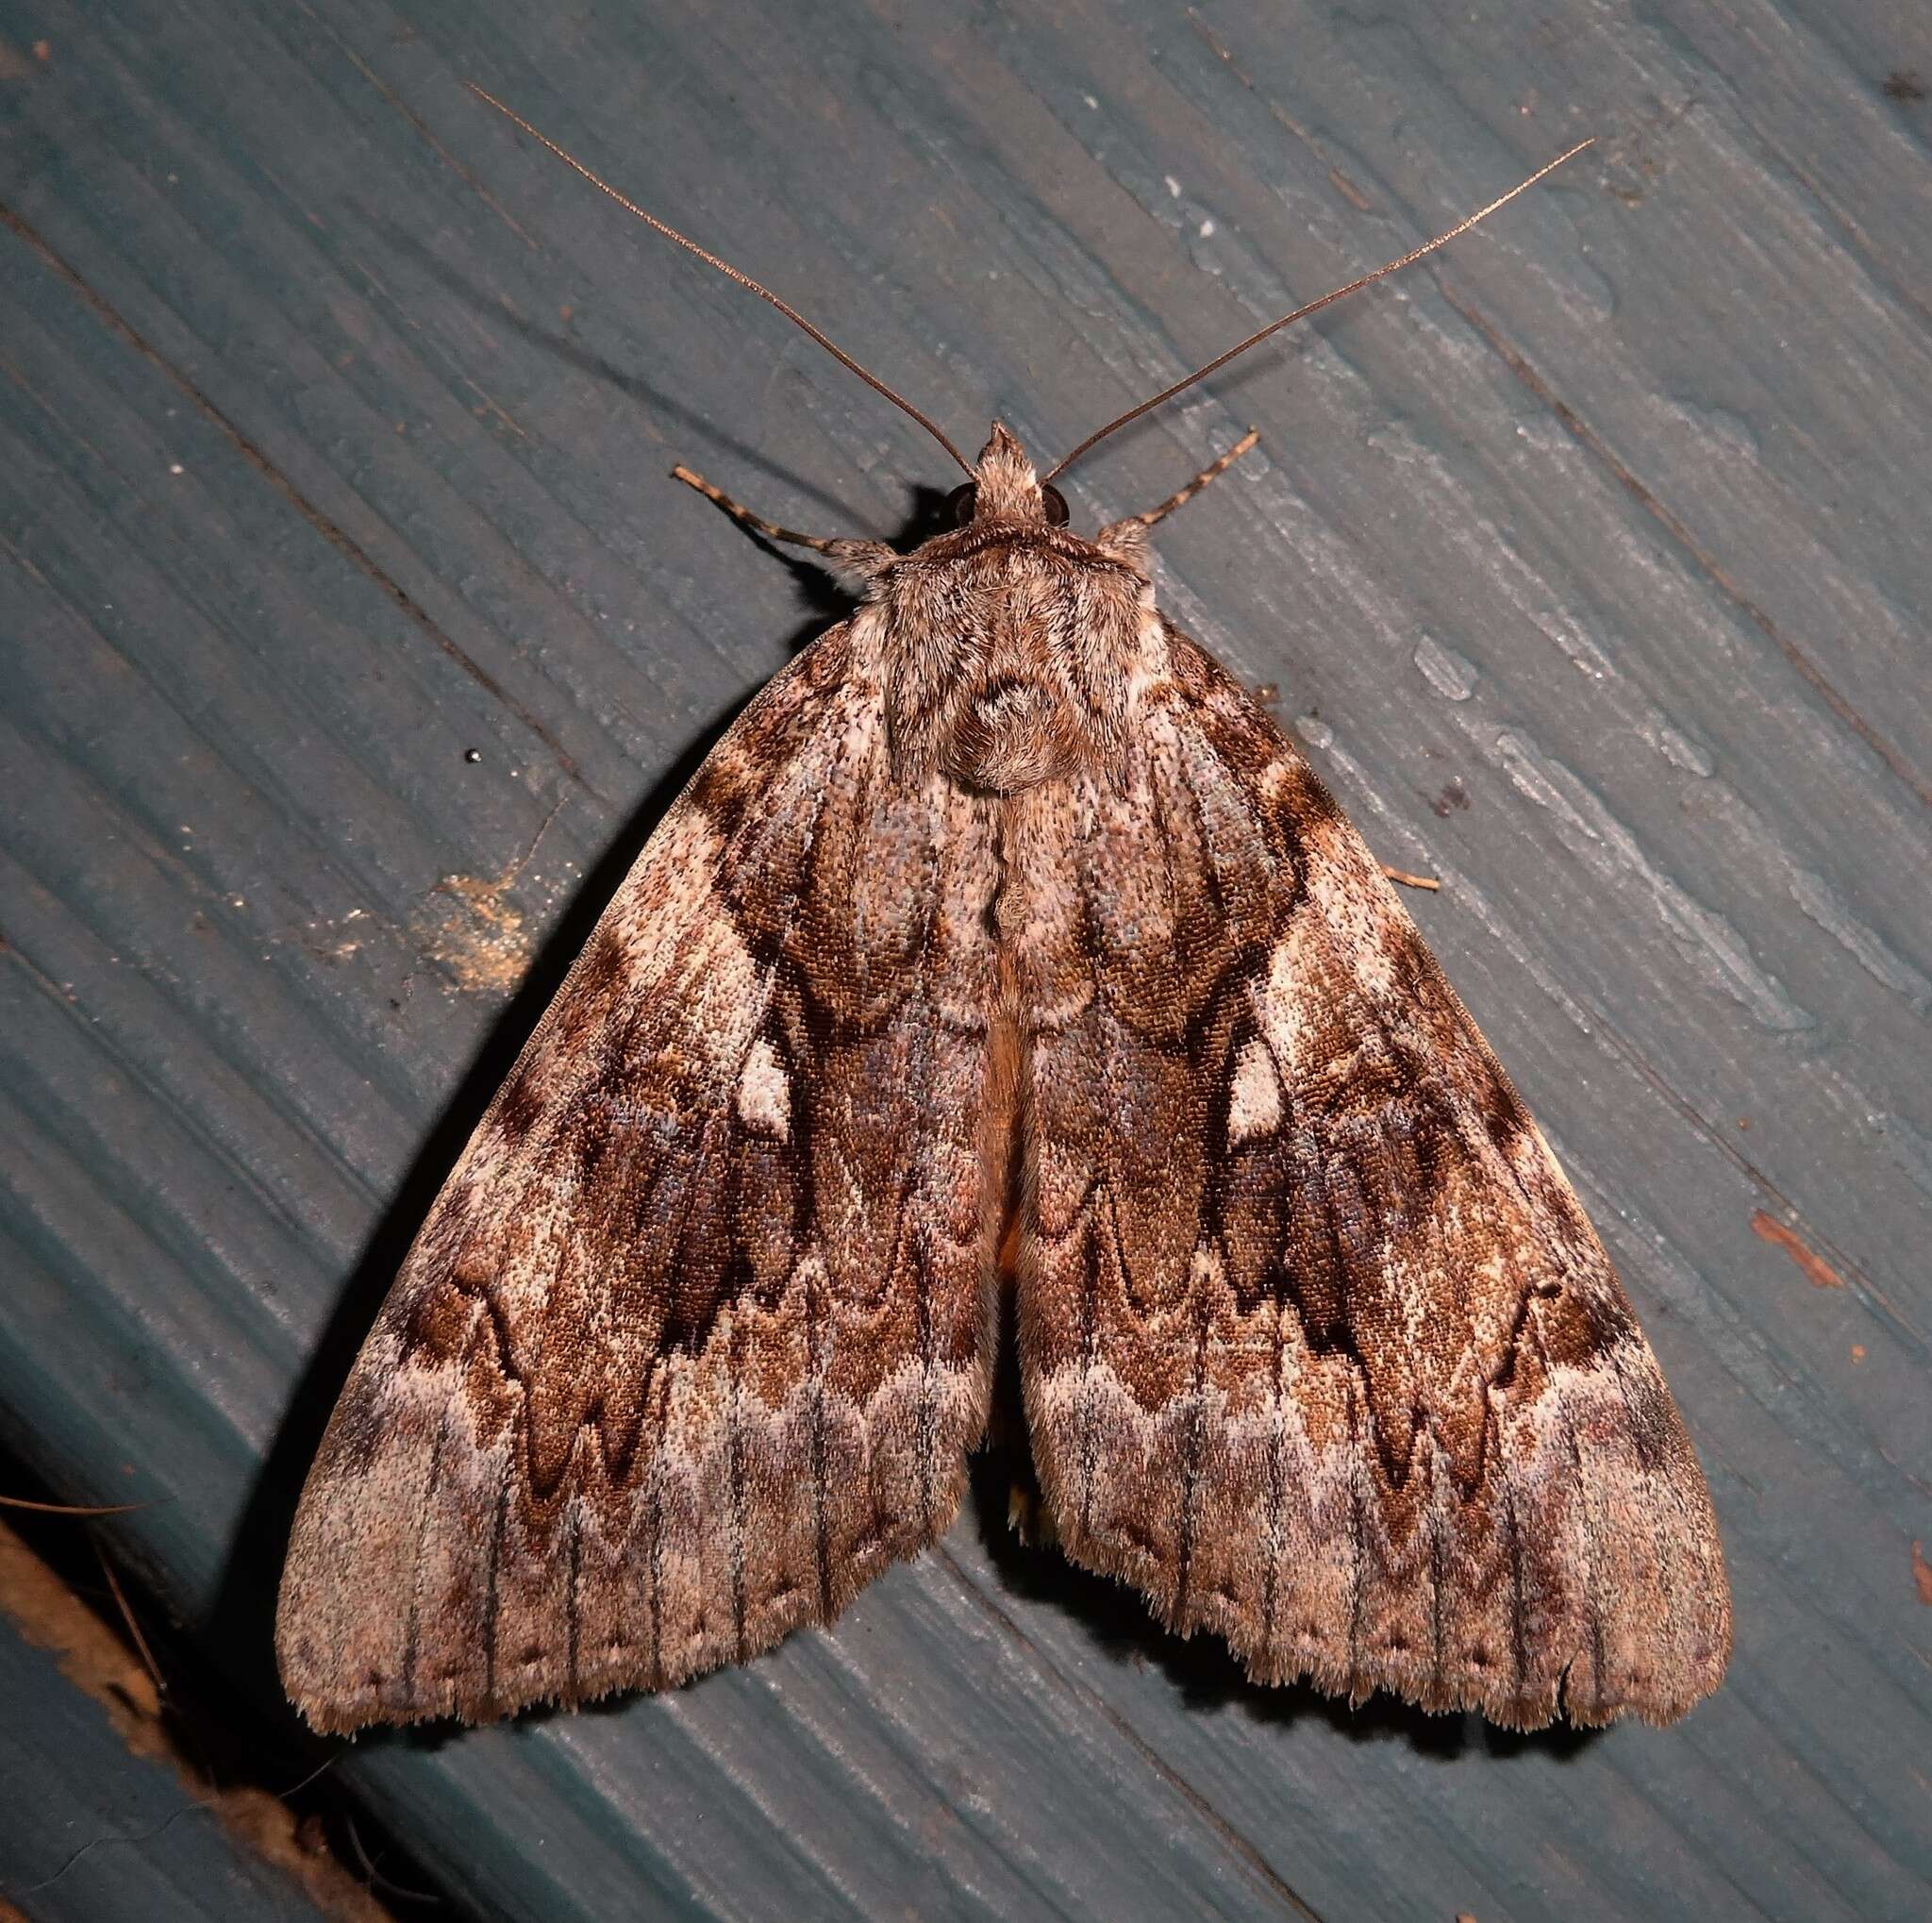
{"type": "Point", "coordinates": [1004, 488]}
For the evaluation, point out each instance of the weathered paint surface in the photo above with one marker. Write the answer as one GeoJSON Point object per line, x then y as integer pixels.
{"type": "Point", "coordinates": [334, 443]}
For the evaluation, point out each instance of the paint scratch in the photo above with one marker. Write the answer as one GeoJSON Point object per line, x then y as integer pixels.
{"type": "Point", "coordinates": [1818, 1272]}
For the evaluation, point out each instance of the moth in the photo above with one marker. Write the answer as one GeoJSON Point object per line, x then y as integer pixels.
{"type": "Point", "coordinates": [1005, 915]}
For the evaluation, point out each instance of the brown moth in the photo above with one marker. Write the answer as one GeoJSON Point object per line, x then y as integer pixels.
{"type": "Point", "coordinates": [1002, 896]}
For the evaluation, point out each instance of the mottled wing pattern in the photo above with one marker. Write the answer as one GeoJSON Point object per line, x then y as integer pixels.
{"type": "Point", "coordinates": [698, 1334]}
{"type": "Point", "coordinates": [1319, 1351]}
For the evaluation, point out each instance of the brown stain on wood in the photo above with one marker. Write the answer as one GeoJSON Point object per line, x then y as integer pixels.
{"type": "Point", "coordinates": [472, 930]}
{"type": "Point", "coordinates": [477, 935]}
{"type": "Point", "coordinates": [1817, 1271]}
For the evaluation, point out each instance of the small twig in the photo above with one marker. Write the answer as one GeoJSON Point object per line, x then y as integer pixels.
{"type": "Point", "coordinates": [72, 1508]}
{"type": "Point", "coordinates": [147, 1655]}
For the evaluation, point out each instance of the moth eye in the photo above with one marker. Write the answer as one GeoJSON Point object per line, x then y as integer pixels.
{"type": "Point", "coordinates": [1055, 506]}
{"type": "Point", "coordinates": [959, 504]}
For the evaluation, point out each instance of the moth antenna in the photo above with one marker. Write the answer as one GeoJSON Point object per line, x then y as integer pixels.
{"type": "Point", "coordinates": [726, 268]}
{"type": "Point", "coordinates": [1254, 339]}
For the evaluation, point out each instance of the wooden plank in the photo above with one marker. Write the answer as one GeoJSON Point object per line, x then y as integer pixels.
{"type": "Point", "coordinates": [92, 1834]}
{"type": "Point", "coordinates": [1589, 559]}
{"type": "Point", "coordinates": [103, 1820]}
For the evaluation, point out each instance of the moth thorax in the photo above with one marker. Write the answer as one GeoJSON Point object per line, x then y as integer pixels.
{"type": "Point", "coordinates": [1009, 732]}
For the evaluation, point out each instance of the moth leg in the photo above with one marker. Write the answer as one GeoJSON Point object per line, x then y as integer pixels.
{"type": "Point", "coordinates": [865, 557]}
{"type": "Point", "coordinates": [1407, 881]}
{"type": "Point", "coordinates": [1211, 471]}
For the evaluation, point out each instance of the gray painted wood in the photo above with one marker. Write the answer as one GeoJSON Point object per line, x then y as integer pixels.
{"type": "Point", "coordinates": [336, 432]}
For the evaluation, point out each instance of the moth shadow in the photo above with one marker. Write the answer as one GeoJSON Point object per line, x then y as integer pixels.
{"type": "Point", "coordinates": [1200, 1669]}
{"type": "Point", "coordinates": [704, 433]}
